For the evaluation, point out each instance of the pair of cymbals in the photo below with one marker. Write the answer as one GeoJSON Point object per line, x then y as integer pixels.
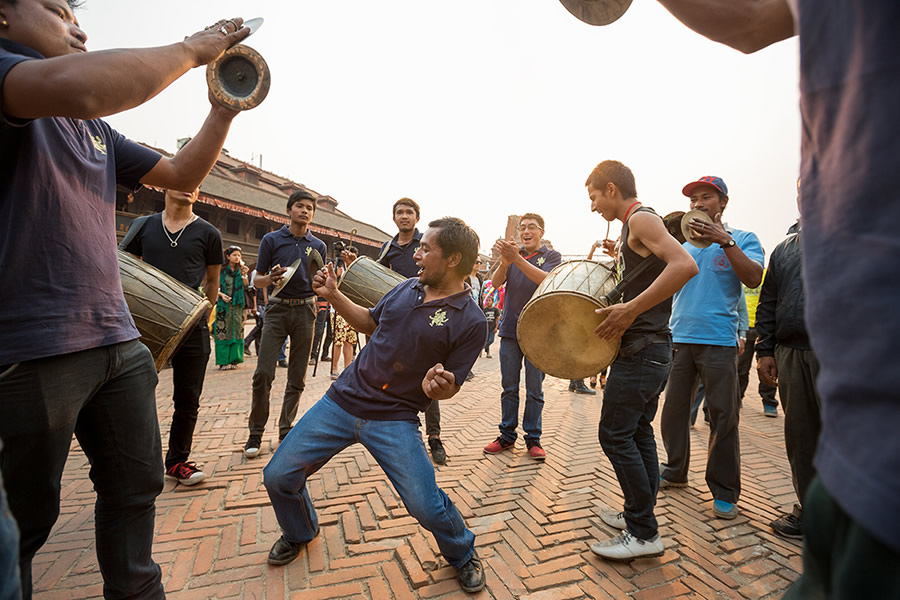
{"type": "Point", "coordinates": [689, 234]}
{"type": "Point", "coordinates": [314, 262]}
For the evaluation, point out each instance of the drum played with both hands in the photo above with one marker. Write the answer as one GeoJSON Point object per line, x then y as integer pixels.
{"type": "Point", "coordinates": [556, 327]}
{"type": "Point", "coordinates": [366, 281]}
{"type": "Point", "coordinates": [164, 309]}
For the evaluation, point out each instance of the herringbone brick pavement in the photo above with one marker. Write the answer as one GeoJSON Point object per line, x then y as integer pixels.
{"type": "Point", "coordinates": [533, 521]}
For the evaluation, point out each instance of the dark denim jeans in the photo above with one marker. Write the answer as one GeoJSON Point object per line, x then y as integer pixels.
{"type": "Point", "coordinates": [489, 341]}
{"type": "Point", "coordinates": [282, 321]}
{"type": "Point", "coordinates": [511, 359]}
{"type": "Point", "coordinates": [10, 583]}
{"type": "Point", "coordinates": [396, 446]}
{"type": "Point", "coordinates": [105, 396]}
{"type": "Point", "coordinates": [626, 431]}
{"type": "Point", "coordinates": [188, 372]}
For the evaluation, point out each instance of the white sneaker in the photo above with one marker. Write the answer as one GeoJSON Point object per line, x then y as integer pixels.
{"type": "Point", "coordinates": [251, 448]}
{"type": "Point", "coordinates": [627, 547]}
{"type": "Point", "coordinates": [613, 519]}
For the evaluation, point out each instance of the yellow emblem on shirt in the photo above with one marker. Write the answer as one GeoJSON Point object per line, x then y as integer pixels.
{"type": "Point", "coordinates": [439, 318]}
{"type": "Point", "coordinates": [308, 250]}
{"type": "Point", "coordinates": [98, 144]}
{"type": "Point", "coordinates": [540, 261]}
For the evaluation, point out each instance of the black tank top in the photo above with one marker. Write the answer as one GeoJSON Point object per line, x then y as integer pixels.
{"type": "Point", "coordinates": [656, 319]}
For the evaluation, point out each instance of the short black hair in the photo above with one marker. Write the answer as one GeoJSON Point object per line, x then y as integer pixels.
{"type": "Point", "coordinates": [455, 236]}
{"type": "Point", "coordinates": [407, 202]}
{"type": "Point", "coordinates": [301, 195]}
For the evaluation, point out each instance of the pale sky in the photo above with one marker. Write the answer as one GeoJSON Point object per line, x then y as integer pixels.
{"type": "Point", "coordinates": [483, 108]}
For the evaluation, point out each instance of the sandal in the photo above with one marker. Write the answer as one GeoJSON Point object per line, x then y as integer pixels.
{"type": "Point", "coordinates": [334, 376]}
{"type": "Point", "coordinates": [594, 381]}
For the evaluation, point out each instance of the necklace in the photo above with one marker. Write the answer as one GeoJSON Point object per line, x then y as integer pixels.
{"type": "Point", "coordinates": [174, 243]}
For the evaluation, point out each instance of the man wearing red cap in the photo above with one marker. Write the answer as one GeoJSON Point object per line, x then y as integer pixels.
{"type": "Point", "coordinates": [705, 333]}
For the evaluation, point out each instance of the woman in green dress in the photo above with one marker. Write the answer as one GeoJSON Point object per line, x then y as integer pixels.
{"type": "Point", "coordinates": [230, 311]}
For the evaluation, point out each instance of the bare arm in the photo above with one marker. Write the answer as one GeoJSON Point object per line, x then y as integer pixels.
{"type": "Point", "coordinates": [650, 232]}
{"type": "Point", "coordinates": [97, 84]}
{"type": "Point", "coordinates": [211, 283]}
{"type": "Point", "coordinates": [747, 270]}
{"type": "Point", "coordinates": [745, 25]}
{"type": "Point", "coordinates": [325, 284]}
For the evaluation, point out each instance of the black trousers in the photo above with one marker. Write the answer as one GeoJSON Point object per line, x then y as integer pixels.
{"type": "Point", "coordinates": [745, 360]}
{"type": "Point", "coordinates": [188, 372]}
{"type": "Point", "coordinates": [321, 323]}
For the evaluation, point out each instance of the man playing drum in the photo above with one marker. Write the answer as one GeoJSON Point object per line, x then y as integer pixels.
{"type": "Point", "coordinates": [522, 269]}
{"type": "Point", "coordinates": [189, 249]}
{"type": "Point", "coordinates": [425, 335]}
{"type": "Point", "coordinates": [291, 313]}
{"type": "Point", "coordinates": [70, 359]}
{"type": "Point", "coordinates": [397, 255]}
{"type": "Point", "coordinates": [639, 373]}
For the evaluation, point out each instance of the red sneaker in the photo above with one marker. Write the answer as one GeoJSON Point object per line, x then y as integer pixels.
{"type": "Point", "coordinates": [536, 452]}
{"type": "Point", "coordinates": [186, 473]}
{"type": "Point", "coordinates": [498, 445]}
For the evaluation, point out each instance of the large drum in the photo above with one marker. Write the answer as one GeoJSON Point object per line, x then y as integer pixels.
{"type": "Point", "coordinates": [163, 308]}
{"type": "Point", "coordinates": [366, 281]}
{"type": "Point", "coordinates": [556, 327]}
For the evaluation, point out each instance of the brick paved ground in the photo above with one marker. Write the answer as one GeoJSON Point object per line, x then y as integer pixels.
{"type": "Point", "coordinates": [533, 521]}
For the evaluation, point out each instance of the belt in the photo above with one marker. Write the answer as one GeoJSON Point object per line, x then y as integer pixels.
{"type": "Point", "coordinates": [293, 301]}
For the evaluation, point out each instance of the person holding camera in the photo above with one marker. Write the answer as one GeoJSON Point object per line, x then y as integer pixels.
{"type": "Point", "coordinates": [291, 313]}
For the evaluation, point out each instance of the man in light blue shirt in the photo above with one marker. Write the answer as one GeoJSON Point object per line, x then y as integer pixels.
{"type": "Point", "coordinates": [705, 333]}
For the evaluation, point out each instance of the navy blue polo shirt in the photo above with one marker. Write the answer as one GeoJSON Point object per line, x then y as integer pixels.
{"type": "Point", "coordinates": [59, 285]}
{"type": "Point", "coordinates": [282, 247]}
{"type": "Point", "coordinates": [400, 258]}
{"type": "Point", "coordinates": [519, 288]}
{"type": "Point", "coordinates": [384, 383]}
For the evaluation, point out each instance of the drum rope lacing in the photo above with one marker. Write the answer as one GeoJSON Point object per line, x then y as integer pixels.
{"type": "Point", "coordinates": [174, 243]}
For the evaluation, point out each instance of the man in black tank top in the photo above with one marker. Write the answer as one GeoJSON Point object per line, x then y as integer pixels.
{"type": "Point", "coordinates": [639, 373]}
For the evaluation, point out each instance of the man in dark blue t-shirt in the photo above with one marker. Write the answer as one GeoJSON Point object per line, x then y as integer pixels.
{"type": "Point", "coordinates": [522, 269]}
{"type": "Point", "coordinates": [290, 313]}
{"type": "Point", "coordinates": [425, 335]}
{"type": "Point", "coordinates": [70, 359]}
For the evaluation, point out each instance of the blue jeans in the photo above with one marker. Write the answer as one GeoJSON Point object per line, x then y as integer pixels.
{"type": "Point", "coordinates": [626, 431]}
{"type": "Point", "coordinates": [397, 447]}
{"type": "Point", "coordinates": [490, 340]}
{"type": "Point", "coordinates": [511, 358]}
{"type": "Point", "coordinates": [106, 397]}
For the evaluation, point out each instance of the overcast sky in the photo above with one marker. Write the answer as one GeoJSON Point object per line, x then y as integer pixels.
{"type": "Point", "coordinates": [484, 108]}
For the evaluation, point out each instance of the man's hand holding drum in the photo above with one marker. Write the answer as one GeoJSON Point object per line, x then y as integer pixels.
{"type": "Point", "coordinates": [618, 318]}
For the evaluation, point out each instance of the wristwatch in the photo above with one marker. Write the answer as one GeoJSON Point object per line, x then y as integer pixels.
{"type": "Point", "coordinates": [729, 244]}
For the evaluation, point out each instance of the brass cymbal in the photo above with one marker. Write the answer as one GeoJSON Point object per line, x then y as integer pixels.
{"type": "Point", "coordinates": [287, 277]}
{"type": "Point", "coordinates": [239, 79]}
{"type": "Point", "coordinates": [597, 12]}
{"type": "Point", "coordinates": [688, 233]}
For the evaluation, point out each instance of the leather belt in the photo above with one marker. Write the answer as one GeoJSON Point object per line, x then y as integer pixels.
{"type": "Point", "coordinates": [293, 301]}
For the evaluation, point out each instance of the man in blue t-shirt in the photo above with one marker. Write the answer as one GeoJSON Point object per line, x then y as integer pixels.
{"type": "Point", "coordinates": [70, 359]}
{"type": "Point", "coordinates": [425, 334]}
{"type": "Point", "coordinates": [290, 313]}
{"type": "Point", "coordinates": [522, 269]}
{"type": "Point", "coordinates": [705, 334]}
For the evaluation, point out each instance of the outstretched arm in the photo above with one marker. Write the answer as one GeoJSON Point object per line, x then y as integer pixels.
{"type": "Point", "coordinates": [745, 25]}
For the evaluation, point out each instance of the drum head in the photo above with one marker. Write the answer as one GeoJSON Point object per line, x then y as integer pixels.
{"type": "Point", "coordinates": [556, 333]}
{"type": "Point", "coordinates": [688, 233]}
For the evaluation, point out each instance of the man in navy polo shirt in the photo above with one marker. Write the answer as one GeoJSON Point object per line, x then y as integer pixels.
{"type": "Point", "coordinates": [398, 255]}
{"type": "Point", "coordinates": [705, 333]}
{"type": "Point", "coordinates": [425, 335]}
{"type": "Point", "coordinates": [291, 313]}
{"type": "Point", "coordinates": [522, 269]}
{"type": "Point", "coordinates": [70, 359]}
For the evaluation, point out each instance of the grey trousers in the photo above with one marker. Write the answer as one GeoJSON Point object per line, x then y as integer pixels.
{"type": "Point", "coordinates": [433, 419]}
{"type": "Point", "coordinates": [282, 321]}
{"type": "Point", "coordinates": [717, 368]}
{"type": "Point", "coordinates": [797, 372]}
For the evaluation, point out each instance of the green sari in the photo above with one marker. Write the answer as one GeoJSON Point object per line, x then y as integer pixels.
{"type": "Point", "coordinates": [229, 327]}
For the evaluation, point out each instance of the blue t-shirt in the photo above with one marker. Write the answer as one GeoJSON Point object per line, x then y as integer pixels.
{"type": "Point", "coordinates": [399, 258]}
{"type": "Point", "coordinates": [59, 285]}
{"type": "Point", "coordinates": [519, 288]}
{"type": "Point", "coordinates": [282, 247]}
{"type": "Point", "coordinates": [705, 310]}
{"type": "Point", "coordinates": [850, 94]}
{"type": "Point", "coordinates": [384, 383]}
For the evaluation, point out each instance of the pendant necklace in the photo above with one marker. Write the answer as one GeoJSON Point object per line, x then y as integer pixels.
{"type": "Point", "coordinates": [174, 243]}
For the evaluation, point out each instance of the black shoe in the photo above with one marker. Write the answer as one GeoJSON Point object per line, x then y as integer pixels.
{"type": "Point", "coordinates": [438, 454]}
{"type": "Point", "coordinates": [580, 388]}
{"type": "Point", "coordinates": [282, 363]}
{"type": "Point", "coordinates": [283, 552]}
{"type": "Point", "coordinates": [471, 576]}
{"type": "Point", "coordinates": [247, 351]}
{"type": "Point", "coordinates": [251, 448]}
{"type": "Point", "coordinates": [325, 358]}
{"type": "Point", "coordinates": [788, 526]}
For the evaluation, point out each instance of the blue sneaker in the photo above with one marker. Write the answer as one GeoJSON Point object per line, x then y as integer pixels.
{"type": "Point", "coordinates": [724, 510]}
{"type": "Point", "coordinates": [770, 411]}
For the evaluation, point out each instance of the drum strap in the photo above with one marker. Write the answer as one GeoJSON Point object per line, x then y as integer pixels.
{"type": "Point", "coordinates": [384, 251]}
{"type": "Point", "coordinates": [136, 226]}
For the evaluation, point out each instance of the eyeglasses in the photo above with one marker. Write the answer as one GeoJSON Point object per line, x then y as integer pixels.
{"type": "Point", "coordinates": [530, 227]}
